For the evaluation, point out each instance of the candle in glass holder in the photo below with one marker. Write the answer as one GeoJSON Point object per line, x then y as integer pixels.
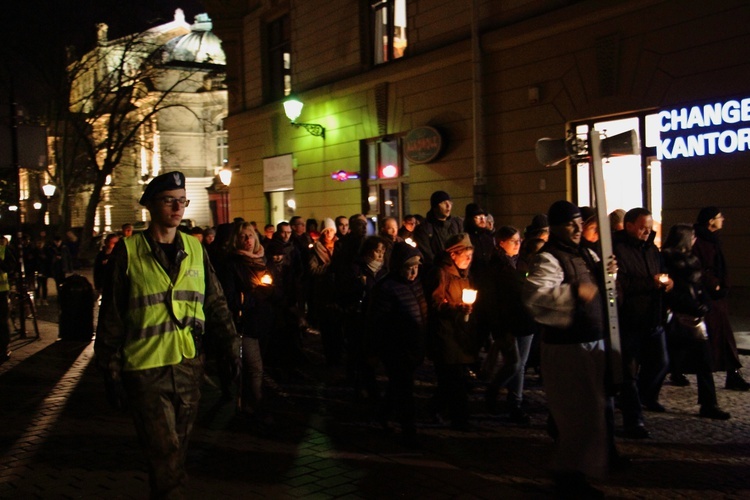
{"type": "Point", "coordinates": [468, 296]}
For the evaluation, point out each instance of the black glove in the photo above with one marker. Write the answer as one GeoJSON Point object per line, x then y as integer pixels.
{"type": "Point", "coordinates": [115, 393]}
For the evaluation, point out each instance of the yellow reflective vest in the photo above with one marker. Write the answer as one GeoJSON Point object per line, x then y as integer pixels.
{"type": "Point", "coordinates": [4, 285]}
{"type": "Point", "coordinates": [163, 316]}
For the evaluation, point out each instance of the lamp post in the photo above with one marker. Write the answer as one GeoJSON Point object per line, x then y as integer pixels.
{"type": "Point", "coordinates": [292, 109]}
{"type": "Point", "coordinates": [49, 191]}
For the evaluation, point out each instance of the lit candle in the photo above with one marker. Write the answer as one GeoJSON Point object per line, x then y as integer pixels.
{"type": "Point", "coordinates": [468, 296]}
{"type": "Point", "coordinates": [266, 279]}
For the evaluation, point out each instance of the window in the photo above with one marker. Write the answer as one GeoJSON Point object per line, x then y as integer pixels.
{"type": "Point", "coordinates": [383, 169]}
{"type": "Point", "coordinates": [388, 28]}
{"type": "Point", "coordinates": [279, 62]}
{"type": "Point", "coordinates": [629, 181]}
{"type": "Point", "coordinates": [222, 147]}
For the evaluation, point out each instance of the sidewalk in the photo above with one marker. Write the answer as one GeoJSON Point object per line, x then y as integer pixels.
{"type": "Point", "coordinates": [59, 439]}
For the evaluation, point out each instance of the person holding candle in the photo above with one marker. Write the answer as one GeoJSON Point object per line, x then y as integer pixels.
{"type": "Point", "coordinates": [250, 300]}
{"type": "Point", "coordinates": [452, 338]}
{"type": "Point", "coordinates": [642, 283]}
{"type": "Point", "coordinates": [564, 293]}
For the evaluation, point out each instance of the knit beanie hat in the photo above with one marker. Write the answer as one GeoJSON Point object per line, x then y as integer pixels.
{"type": "Point", "coordinates": [561, 212]}
{"type": "Point", "coordinates": [706, 214]}
{"type": "Point", "coordinates": [473, 209]}
{"type": "Point", "coordinates": [438, 197]}
{"type": "Point", "coordinates": [588, 215]}
{"type": "Point", "coordinates": [538, 223]}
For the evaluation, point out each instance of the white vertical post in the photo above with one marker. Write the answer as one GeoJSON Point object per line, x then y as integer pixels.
{"type": "Point", "coordinates": [605, 238]}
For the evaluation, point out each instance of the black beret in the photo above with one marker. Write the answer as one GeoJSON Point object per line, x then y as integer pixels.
{"type": "Point", "coordinates": [561, 212]}
{"type": "Point", "coordinates": [164, 182]}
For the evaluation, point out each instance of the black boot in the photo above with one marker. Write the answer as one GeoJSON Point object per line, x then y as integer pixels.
{"type": "Point", "coordinates": [735, 382]}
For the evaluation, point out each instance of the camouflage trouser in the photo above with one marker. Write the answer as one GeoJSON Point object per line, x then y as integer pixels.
{"type": "Point", "coordinates": [164, 405]}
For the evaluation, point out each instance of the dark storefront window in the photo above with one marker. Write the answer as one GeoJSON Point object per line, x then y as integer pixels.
{"type": "Point", "coordinates": [384, 171]}
{"type": "Point", "coordinates": [279, 62]}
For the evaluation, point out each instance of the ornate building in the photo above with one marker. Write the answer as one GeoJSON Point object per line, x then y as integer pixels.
{"type": "Point", "coordinates": [186, 133]}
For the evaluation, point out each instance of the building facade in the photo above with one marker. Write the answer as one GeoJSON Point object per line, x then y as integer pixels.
{"type": "Point", "coordinates": [187, 133]}
{"type": "Point", "coordinates": [421, 95]}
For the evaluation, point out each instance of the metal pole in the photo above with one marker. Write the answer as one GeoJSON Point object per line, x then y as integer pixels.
{"type": "Point", "coordinates": [23, 295]}
{"type": "Point", "coordinates": [605, 239]}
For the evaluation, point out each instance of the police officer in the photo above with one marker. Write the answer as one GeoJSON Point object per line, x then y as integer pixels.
{"type": "Point", "coordinates": [162, 297]}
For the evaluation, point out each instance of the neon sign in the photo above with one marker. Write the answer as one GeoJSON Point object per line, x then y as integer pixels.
{"type": "Point", "coordinates": [343, 175]}
{"type": "Point", "coordinates": [704, 130]}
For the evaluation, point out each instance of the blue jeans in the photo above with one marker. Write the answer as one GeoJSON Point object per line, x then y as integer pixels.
{"type": "Point", "coordinates": [515, 384]}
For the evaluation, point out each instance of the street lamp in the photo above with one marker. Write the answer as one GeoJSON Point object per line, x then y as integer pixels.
{"type": "Point", "coordinates": [225, 175]}
{"type": "Point", "coordinates": [49, 191]}
{"type": "Point", "coordinates": [292, 109]}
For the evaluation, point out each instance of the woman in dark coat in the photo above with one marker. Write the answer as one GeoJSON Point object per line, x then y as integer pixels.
{"type": "Point", "coordinates": [707, 248]}
{"type": "Point", "coordinates": [512, 328]}
{"type": "Point", "coordinates": [249, 292]}
{"type": "Point", "coordinates": [687, 353]}
{"type": "Point", "coordinates": [452, 337]}
{"type": "Point", "coordinates": [322, 306]}
{"type": "Point", "coordinates": [397, 322]}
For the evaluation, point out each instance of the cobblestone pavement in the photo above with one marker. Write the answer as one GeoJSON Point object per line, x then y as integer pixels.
{"type": "Point", "coordinates": [59, 439]}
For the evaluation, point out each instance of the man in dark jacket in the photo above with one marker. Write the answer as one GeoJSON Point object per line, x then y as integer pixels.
{"type": "Point", "coordinates": [564, 293]}
{"type": "Point", "coordinates": [642, 282]}
{"type": "Point", "coordinates": [437, 227]}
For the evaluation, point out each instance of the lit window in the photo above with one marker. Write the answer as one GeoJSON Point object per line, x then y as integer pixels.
{"type": "Point", "coordinates": [279, 57]}
{"type": "Point", "coordinates": [388, 29]}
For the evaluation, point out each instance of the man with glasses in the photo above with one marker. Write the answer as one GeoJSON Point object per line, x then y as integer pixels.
{"type": "Point", "coordinates": [162, 297]}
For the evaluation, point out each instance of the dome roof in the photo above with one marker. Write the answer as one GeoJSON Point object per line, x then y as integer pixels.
{"type": "Point", "coordinates": [199, 46]}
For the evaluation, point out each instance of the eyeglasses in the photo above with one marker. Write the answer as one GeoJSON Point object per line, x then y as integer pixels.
{"type": "Point", "coordinates": [169, 201]}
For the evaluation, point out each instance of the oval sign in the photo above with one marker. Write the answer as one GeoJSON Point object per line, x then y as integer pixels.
{"type": "Point", "coordinates": [422, 144]}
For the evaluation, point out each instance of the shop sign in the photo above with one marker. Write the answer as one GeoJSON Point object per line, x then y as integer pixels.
{"type": "Point", "coordinates": [708, 129]}
{"type": "Point", "coordinates": [278, 173]}
{"type": "Point", "coordinates": [422, 145]}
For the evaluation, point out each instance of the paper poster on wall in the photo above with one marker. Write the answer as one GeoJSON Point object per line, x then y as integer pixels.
{"type": "Point", "coordinates": [278, 173]}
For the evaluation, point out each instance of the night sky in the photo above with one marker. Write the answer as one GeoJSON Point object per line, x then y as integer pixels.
{"type": "Point", "coordinates": [36, 33]}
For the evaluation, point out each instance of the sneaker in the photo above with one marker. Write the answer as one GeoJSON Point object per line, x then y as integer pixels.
{"type": "Point", "coordinates": [679, 380]}
{"type": "Point", "coordinates": [714, 412]}
{"type": "Point", "coordinates": [735, 382]}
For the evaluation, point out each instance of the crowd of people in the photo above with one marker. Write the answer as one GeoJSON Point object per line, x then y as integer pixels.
{"type": "Point", "coordinates": [478, 301]}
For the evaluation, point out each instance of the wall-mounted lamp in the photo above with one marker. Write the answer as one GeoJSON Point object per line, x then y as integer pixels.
{"type": "Point", "coordinates": [225, 175]}
{"type": "Point", "coordinates": [292, 109]}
